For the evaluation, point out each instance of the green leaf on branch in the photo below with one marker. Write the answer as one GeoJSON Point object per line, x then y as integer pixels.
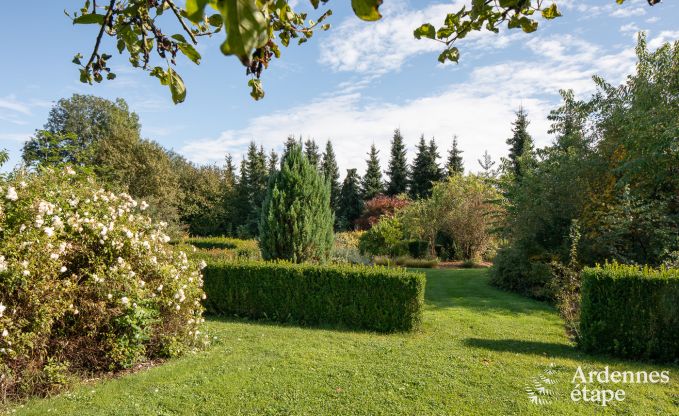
{"type": "Point", "coordinates": [425, 31]}
{"type": "Point", "coordinates": [551, 12]}
{"type": "Point", "coordinates": [528, 25]}
{"type": "Point", "coordinates": [187, 49]}
{"type": "Point", "coordinates": [246, 28]}
{"type": "Point", "coordinates": [172, 80]}
{"type": "Point", "coordinates": [452, 54]}
{"type": "Point", "coordinates": [89, 19]}
{"type": "Point", "coordinates": [257, 92]}
{"type": "Point", "coordinates": [215, 20]}
{"type": "Point", "coordinates": [367, 9]}
{"type": "Point", "coordinates": [195, 10]}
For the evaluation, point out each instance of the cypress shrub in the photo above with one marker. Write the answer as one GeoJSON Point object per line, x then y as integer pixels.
{"type": "Point", "coordinates": [358, 297]}
{"type": "Point", "coordinates": [631, 312]}
{"type": "Point", "coordinates": [297, 219]}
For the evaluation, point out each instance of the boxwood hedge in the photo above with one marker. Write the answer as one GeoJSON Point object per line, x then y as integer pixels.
{"type": "Point", "coordinates": [357, 297]}
{"type": "Point", "coordinates": [631, 312]}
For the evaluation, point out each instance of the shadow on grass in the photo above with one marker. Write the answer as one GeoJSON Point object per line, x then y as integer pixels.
{"type": "Point", "coordinates": [548, 349]}
{"type": "Point", "coordinates": [299, 325]}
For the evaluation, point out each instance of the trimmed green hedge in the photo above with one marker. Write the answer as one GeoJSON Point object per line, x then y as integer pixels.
{"type": "Point", "coordinates": [359, 297]}
{"type": "Point", "coordinates": [631, 312]}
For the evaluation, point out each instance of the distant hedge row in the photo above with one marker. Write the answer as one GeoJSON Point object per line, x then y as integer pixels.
{"type": "Point", "coordinates": [631, 312]}
{"type": "Point", "coordinates": [360, 297]}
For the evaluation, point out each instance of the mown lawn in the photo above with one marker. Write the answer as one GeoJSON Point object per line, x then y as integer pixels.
{"type": "Point", "coordinates": [478, 349]}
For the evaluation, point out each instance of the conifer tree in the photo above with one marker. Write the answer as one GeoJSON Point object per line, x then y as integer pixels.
{"type": "Point", "coordinates": [397, 173]}
{"type": "Point", "coordinates": [253, 187]}
{"type": "Point", "coordinates": [520, 145]}
{"type": "Point", "coordinates": [331, 173]}
{"type": "Point", "coordinates": [371, 186]}
{"type": "Point", "coordinates": [290, 143]}
{"type": "Point", "coordinates": [296, 221]}
{"type": "Point", "coordinates": [273, 162]}
{"type": "Point", "coordinates": [350, 204]}
{"type": "Point", "coordinates": [311, 152]}
{"type": "Point", "coordinates": [487, 163]}
{"type": "Point", "coordinates": [229, 196]}
{"type": "Point", "coordinates": [455, 165]}
{"type": "Point", "coordinates": [425, 170]}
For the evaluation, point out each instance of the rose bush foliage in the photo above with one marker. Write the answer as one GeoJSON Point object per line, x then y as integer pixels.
{"type": "Point", "coordinates": [88, 282]}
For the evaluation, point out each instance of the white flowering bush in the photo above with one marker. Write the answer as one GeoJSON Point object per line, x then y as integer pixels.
{"type": "Point", "coordinates": [87, 283]}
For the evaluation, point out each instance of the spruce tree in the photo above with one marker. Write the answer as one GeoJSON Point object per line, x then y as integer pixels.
{"type": "Point", "coordinates": [397, 173]}
{"type": "Point", "coordinates": [350, 204]}
{"type": "Point", "coordinates": [296, 222]}
{"type": "Point", "coordinates": [425, 170]}
{"type": "Point", "coordinates": [435, 171]}
{"type": "Point", "coordinates": [487, 164]}
{"type": "Point", "coordinates": [520, 144]}
{"type": "Point", "coordinates": [229, 197]}
{"type": "Point", "coordinates": [311, 152]}
{"type": "Point", "coordinates": [253, 186]}
{"type": "Point", "coordinates": [290, 143]}
{"type": "Point", "coordinates": [454, 165]}
{"type": "Point", "coordinates": [371, 186]}
{"type": "Point", "coordinates": [273, 162]}
{"type": "Point", "coordinates": [331, 173]}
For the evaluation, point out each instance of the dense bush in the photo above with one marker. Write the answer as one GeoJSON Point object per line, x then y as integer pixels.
{"type": "Point", "coordinates": [378, 207]}
{"type": "Point", "coordinates": [297, 220]}
{"type": "Point", "coordinates": [513, 271]}
{"type": "Point", "coordinates": [358, 297]}
{"type": "Point", "coordinates": [87, 283]}
{"type": "Point", "coordinates": [631, 312]}
{"type": "Point", "coordinates": [345, 248]}
{"type": "Point", "coordinates": [384, 238]}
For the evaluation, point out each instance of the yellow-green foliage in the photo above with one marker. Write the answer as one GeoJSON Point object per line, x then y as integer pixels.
{"type": "Point", "coordinates": [374, 298]}
{"type": "Point", "coordinates": [87, 282]}
{"type": "Point", "coordinates": [224, 248]}
{"type": "Point", "coordinates": [631, 312]}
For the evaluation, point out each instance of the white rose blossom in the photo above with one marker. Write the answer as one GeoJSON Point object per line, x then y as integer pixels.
{"type": "Point", "coordinates": [11, 194]}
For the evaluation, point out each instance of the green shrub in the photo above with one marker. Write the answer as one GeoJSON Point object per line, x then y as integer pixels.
{"type": "Point", "coordinates": [345, 248]}
{"type": "Point", "coordinates": [513, 271]}
{"type": "Point", "coordinates": [630, 312]}
{"type": "Point", "coordinates": [359, 297]}
{"type": "Point", "coordinates": [384, 238]}
{"type": "Point", "coordinates": [418, 248]}
{"type": "Point", "coordinates": [87, 282]}
{"type": "Point", "coordinates": [297, 220]}
{"type": "Point", "coordinates": [407, 261]}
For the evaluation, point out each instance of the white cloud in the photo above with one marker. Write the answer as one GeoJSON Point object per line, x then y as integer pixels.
{"type": "Point", "coordinates": [479, 109]}
{"type": "Point", "coordinates": [653, 19]}
{"type": "Point", "coordinates": [629, 28]}
{"type": "Point", "coordinates": [628, 12]}
{"type": "Point", "coordinates": [663, 37]}
{"type": "Point", "coordinates": [386, 45]}
{"type": "Point", "coordinates": [15, 137]}
{"type": "Point", "coordinates": [10, 103]}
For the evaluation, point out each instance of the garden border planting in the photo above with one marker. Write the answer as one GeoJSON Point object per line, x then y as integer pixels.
{"type": "Point", "coordinates": [358, 297]}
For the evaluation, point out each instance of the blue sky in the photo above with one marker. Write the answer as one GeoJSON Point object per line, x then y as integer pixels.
{"type": "Point", "coordinates": [353, 84]}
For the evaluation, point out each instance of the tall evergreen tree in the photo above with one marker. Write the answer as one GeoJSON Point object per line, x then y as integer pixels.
{"type": "Point", "coordinates": [435, 170]}
{"type": "Point", "coordinates": [372, 185]}
{"type": "Point", "coordinates": [487, 163]}
{"type": "Point", "coordinates": [253, 187]}
{"type": "Point", "coordinates": [520, 144]}
{"type": "Point", "coordinates": [273, 162]}
{"type": "Point", "coordinates": [312, 152]}
{"type": "Point", "coordinates": [230, 197]}
{"type": "Point", "coordinates": [296, 222]}
{"type": "Point", "coordinates": [350, 204]}
{"type": "Point", "coordinates": [290, 144]}
{"type": "Point", "coordinates": [425, 170]}
{"type": "Point", "coordinates": [397, 173]}
{"type": "Point", "coordinates": [331, 172]}
{"type": "Point", "coordinates": [454, 165]}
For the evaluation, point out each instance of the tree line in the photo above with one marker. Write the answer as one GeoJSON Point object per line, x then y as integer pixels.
{"type": "Point", "coordinates": [105, 137]}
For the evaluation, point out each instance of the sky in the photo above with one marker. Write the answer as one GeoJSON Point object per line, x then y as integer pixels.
{"type": "Point", "coordinates": [353, 84]}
